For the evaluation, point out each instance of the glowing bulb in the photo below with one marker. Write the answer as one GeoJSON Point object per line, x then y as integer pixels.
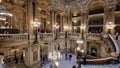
{"type": "Point", "coordinates": [0, 1]}
{"type": "Point", "coordinates": [78, 48]}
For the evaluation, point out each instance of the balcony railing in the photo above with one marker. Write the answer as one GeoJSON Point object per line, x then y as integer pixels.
{"type": "Point", "coordinates": [13, 36]}
{"type": "Point", "coordinates": [46, 35]}
{"type": "Point", "coordinates": [61, 35]}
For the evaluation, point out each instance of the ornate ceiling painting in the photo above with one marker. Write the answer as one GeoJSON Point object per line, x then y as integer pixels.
{"type": "Point", "coordinates": [62, 6]}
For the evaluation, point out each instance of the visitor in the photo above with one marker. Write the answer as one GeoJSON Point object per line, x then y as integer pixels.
{"type": "Point", "coordinates": [84, 59]}
{"type": "Point", "coordinates": [3, 65]}
{"type": "Point", "coordinates": [65, 56]}
{"type": "Point", "coordinates": [73, 66]}
{"type": "Point", "coordinates": [22, 59]}
{"type": "Point", "coordinates": [51, 66]}
{"type": "Point", "coordinates": [70, 56]}
{"type": "Point", "coordinates": [16, 60]}
{"type": "Point", "coordinates": [58, 46]}
{"type": "Point", "coordinates": [96, 32]}
{"type": "Point", "coordinates": [79, 65]}
{"type": "Point", "coordinates": [117, 35]}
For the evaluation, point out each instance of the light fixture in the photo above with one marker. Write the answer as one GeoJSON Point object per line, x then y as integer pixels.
{"type": "Point", "coordinates": [36, 24]}
{"type": "Point", "coordinates": [57, 26]}
{"type": "Point", "coordinates": [79, 41]}
{"type": "Point", "coordinates": [83, 26]}
{"type": "Point", "coordinates": [54, 56]}
{"type": "Point", "coordinates": [6, 22]}
{"type": "Point", "coordinates": [75, 21]}
{"type": "Point", "coordinates": [82, 51]}
{"type": "Point", "coordinates": [4, 11]}
{"type": "Point", "coordinates": [48, 22]}
{"type": "Point", "coordinates": [110, 25]}
{"type": "Point", "coordinates": [0, 1]}
{"type": "Point", "coordinates": [57, 63]}
{"type": "Point", "coordinates": [78, 48]}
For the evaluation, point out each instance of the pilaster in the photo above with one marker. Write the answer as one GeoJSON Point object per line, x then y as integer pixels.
{"type": "Point", "coordinates": [30, 18]}
{"type": "Point", "coordinates": [53, 19]}
{"type": "Point", "coordinates": [61, 22]}
{"type": "Point", "coordinates": [84, 22]}
{"type": "Point", "coordinates": [109, 17]}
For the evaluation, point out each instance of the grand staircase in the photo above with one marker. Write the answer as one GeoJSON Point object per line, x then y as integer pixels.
{"type": "Point", "coordinates": [19, 65]}
{"type": "Point", "coordinates": [101, 66]}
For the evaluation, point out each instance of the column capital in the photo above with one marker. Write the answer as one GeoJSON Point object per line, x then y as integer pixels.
{"type": "Point", "coordinates": [84, 11]}
{"type": "Point", "coordinates": [111, 5]}
{"type": "Point", "coordinates": [52, 8]}
{"type": "Point", "coordinates": [65, 13]}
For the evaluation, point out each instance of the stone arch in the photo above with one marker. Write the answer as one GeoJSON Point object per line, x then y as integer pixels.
{"type": "Point", "coordinates": [96, 7]}
{"type": "Point", "coordinates": [117, 17]}
{"type": "Point", "coordinates": [110, 1]}
{"type": "Point", "coordinates": [77, 5]}
{"type": "Point", "coordinates": [91, 2]}
{"type": "Point", "coordinates": [118, 5]}
{"type": "Point", "coordinates": [96, 4]}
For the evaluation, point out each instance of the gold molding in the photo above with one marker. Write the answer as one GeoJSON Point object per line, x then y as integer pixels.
{"type": "Point", "coordinates": [15, 7]}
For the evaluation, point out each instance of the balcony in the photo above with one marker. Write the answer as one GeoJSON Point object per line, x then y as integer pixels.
{"type": "Point", "coordinates": [46, 36]}
{"type": "Point", "coordinates": [7, 40]}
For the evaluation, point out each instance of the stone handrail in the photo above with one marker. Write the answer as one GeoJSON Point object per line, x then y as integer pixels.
{"type": "Point", "coordinates": [115, 43]}
{"type": "Point", "coordinates": [46, 35]}
{"type": "Point", "coordinates": [97, 61]}
{"type": "Point", "coordinates": [13, 36]}
{"type": "Point", "coordinates": [116, 53]}
{"type": "Point", "coordinates": [70, 35]}
{"type": "Point", "coordinates": [94, 34]}
{"type": "Point", "coordinates": [62, 35]}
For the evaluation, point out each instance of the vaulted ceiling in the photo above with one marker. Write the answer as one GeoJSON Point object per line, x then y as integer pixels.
{"type": "Point", "coordinates": [74, 5]}
{"type": "Point", "coordinates": [66, 5]}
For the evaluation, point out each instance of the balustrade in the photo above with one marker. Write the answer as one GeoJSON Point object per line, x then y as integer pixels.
{"type": "Point", "coordinates": [70, 35]}
{"type": "Point", "coordinates": [13, 36]}
{"type": "Point", "coordinates": [62, 35]}
{"type": "Point", "coordinates": [97, 61]}
{"type": "Point", "coordinates": [46, 35]}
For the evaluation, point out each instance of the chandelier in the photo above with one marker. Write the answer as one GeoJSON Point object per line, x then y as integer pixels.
{"type": "Point", "coordinates": [4, 11]}
{"type": "Point", "coordinates": [54, 55]}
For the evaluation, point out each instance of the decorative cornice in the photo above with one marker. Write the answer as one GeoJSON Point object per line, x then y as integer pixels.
{"type": "Point", "coordinates": [52, 8]}
{"type": "Point", "coordinates": [14, 7]}
{"type": "Point", "coordinates": [112, 5]}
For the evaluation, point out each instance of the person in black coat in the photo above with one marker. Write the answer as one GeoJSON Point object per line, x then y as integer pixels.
{"type": "Point", "coordinates": [22, 59]}
{"type": "Point", "coordinates": [84, 59]}
{"type": "Point", "coordinates": [73, 66]}
{"type": "Point", "coordinates": [70, 56]}
{"type": "Point", "coordinates": [16, 60]}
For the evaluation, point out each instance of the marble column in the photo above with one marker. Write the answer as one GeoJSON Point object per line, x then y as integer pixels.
{"type": "Point", "coordinates": [70, 22]}
{"type": "Point", "coordinates": [109, 17]}
{"type": "Point", "coordinates": [66, 21]}
{"type": "Point", "coordinates": [53, 19]}
{"type": "Point", "coordinates": [61, 23]}
{"type": "Point", "coordinates": [84, 21]}
{"type": "Point", "coordinates": [30, 18]}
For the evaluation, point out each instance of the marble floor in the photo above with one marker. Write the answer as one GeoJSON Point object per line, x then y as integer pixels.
{"type": "Point", "coordinates": [63, 63]}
